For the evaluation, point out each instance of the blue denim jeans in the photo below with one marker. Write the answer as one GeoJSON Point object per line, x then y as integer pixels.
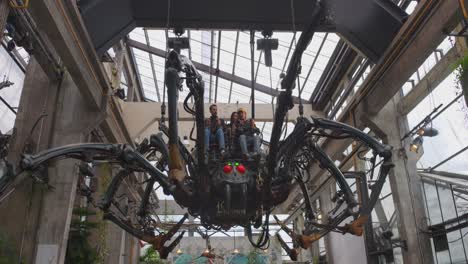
{"type": "Point", "coordinates": [245, 141]}
{"type": "Point", "coordinates": [210, 138]}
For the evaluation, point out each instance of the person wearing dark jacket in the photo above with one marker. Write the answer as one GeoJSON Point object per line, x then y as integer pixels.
{"type": "Point", "coordinates": [232, 131]}
{"type": "Point", "coordinates": [214, 130]}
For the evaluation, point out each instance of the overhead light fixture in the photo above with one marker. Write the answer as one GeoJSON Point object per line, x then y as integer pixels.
{"type": "Point", "coordinates": [416, 144]}
{"type": "Point", "coordinates": [186, 142]}
{"type": "Point", "coordinates": [179, 252]}
{"type": "Point", "coordinates": [236, 251]}
{"type": "Point", "coordinates": [427, 132]}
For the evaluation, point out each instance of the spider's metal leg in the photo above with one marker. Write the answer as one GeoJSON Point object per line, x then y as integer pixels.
{"type": "Point", "coordinates": [145, 199]}
{"type": "Point", "coordinates": [306, 241]}
{"type": "Point", "coordinates": [382, 150]}
{"type": "Point", "coordinates": [177, 171]}
{"type": "Point", "coordinates": [164, 251]}
{"type": "Point", "coordinates": [127, 226]}
{"type": "Point", "coordinates": [292, 252]}
{"type": "Point", "coordinates": [308, 205]}
{"type": "Point", "coordinates": [79, 151]}
{"type": "Point", "coordinates": [328, 164]}
{"type": "Point", "coordinates": [133, 156]}
{"type": "Point", "coordinates": [112, 189]}
{"type": "Point", "coordinates": [301, 240]}
{"type": "Point", "coordinates": [285, 100]}
{"type": "Point", "coordinates": [285, 228]}
{"type": "Point", "coordinates": [355, 227]}
{"type": "Point", "coordinates": [123, 153]}
{"type": "Point", "coordinates": [158, 241]}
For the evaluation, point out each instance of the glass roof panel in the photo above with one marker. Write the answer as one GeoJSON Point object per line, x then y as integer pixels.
{"type": "Point", "coordinates": [234, 59]}
{"type": "Point", "coordinates": [204, 50]}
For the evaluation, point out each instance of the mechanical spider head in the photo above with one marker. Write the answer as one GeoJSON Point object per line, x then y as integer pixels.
{"type": "Point", "coordinates": [234, 193]}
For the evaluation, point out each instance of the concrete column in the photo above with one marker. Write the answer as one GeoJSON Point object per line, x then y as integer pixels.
{"type": "Point", "coordinates": [22, 209]}
{"type": "Point", "coordinates": [326, 206]}
{"type": "Point", "coordinates": [38, 219]}
{"type": "Point", "coordinates": [71, 119]}
{"type": "Point", "coordinates": [4, 10]}
{"type": "Point", "coordinates": [191, 232]}
{"type": "Point", "coordinates": [405, 184]}
{"type": "Point", "coordinates": [363, 195]}
{"type": "Point", "coordinates": [131, 250]}
{"type": "Point", "coordinates": [113, 244]}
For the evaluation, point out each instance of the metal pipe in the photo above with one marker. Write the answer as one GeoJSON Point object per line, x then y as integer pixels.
{"type": "Point", "coordinates": [177, 171]}
{"type": "Point", "coordinates": [252, 65]}
{"type": "Point", "coordinates": [234, 65]}
{"type": "Point", "coordinates": [8, 105]}
{"type": "Point", "coordinates": [285, 98]}
{"type": "Point", "coordinates": [449, 158]}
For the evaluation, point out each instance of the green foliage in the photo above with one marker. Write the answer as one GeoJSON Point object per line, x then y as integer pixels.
{"type": "Point", "coordinates": [78, 249]}
{"type": "Point", "coordinates": [461, 63]}
{"type": "Point", "coordinates": [316, 260]}
{"type": "Point", "coordinates": [461, 73]}
{"type": "Point", "coordinates": [7, 254]}
{"type": "Point", "coordinates": [81, 211]}
{"type": "Point", "coordinates": [151, 256]}
{"type": "Point", "coordinates": [105, 177]}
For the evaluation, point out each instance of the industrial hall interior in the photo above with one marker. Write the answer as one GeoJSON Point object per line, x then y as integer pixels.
{"type": "Point", "coordinates": [233, 132]}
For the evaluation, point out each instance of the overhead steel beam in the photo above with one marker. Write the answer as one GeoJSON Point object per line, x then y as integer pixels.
{"type": "Point", "coordinates": [431, 80]}
{"type": "Point", "coordinates": [133, 76]}
{"type": "Point", "coordinates": [77, 54]}
{"type": "Point", "coordinates": [418, 38]}
{"type": "Point", "coordinates": [16, 57]}
{"type": "Point", "coordinates": [207, 69]}
{"type": "Point", "coordinates": [312, 66]}
{"type": "Point", "coordinates": [63, 28]}
{"type": "Point", "coordinates": [217, 66]}
{"type": "Point", "coordinates": [234, 64]}
{"type": "Point", "coordinates": [341, 60]}
{"type": "Point", "coordinates": [153, 71]}
{"type": "Point", "coordinates": [348, 88]}
{"type": "Point", "coordinates": [210, 97]}
{"type": "Point", "coordinates": [429, 34]}
{"type": "Point", "coordinates": [370, 28]}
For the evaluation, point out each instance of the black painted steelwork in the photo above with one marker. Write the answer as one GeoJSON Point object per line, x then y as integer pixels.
{"type": "Point", "coordinates": [369, 25]}
{"type": "Point", "coordinates": [247, 191]}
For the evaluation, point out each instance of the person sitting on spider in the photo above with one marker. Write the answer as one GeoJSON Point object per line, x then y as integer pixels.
{"type": "Point", "coordinates": [232, 131]}
{"type": "Point", "coordinates": [214, 130]}
{"type": "Point", "coordinates": [248, 132]}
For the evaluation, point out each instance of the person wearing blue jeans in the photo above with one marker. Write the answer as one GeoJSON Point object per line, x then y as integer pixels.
{"type": "Point", "coordinates": [248, 134]}
{"type": "Point", "coordinates": [214, 130]}
{"type": "Point", "coordinates": [249, 140]}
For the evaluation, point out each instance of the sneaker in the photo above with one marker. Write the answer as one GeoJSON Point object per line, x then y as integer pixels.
{"type": "Point", "coordinates": [222, 153]}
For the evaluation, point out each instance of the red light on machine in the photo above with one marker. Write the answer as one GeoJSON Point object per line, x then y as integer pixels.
{"type": "Point", "coordinates": [241, 169]}
{"type": "Point", "coordinates": [227, 169]}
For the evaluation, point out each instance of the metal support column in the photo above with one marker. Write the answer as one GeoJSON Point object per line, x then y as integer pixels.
{"type": "Point", "coordinates": [405, 184]}
{"type": "Point", "coordinates": [4, 10]}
